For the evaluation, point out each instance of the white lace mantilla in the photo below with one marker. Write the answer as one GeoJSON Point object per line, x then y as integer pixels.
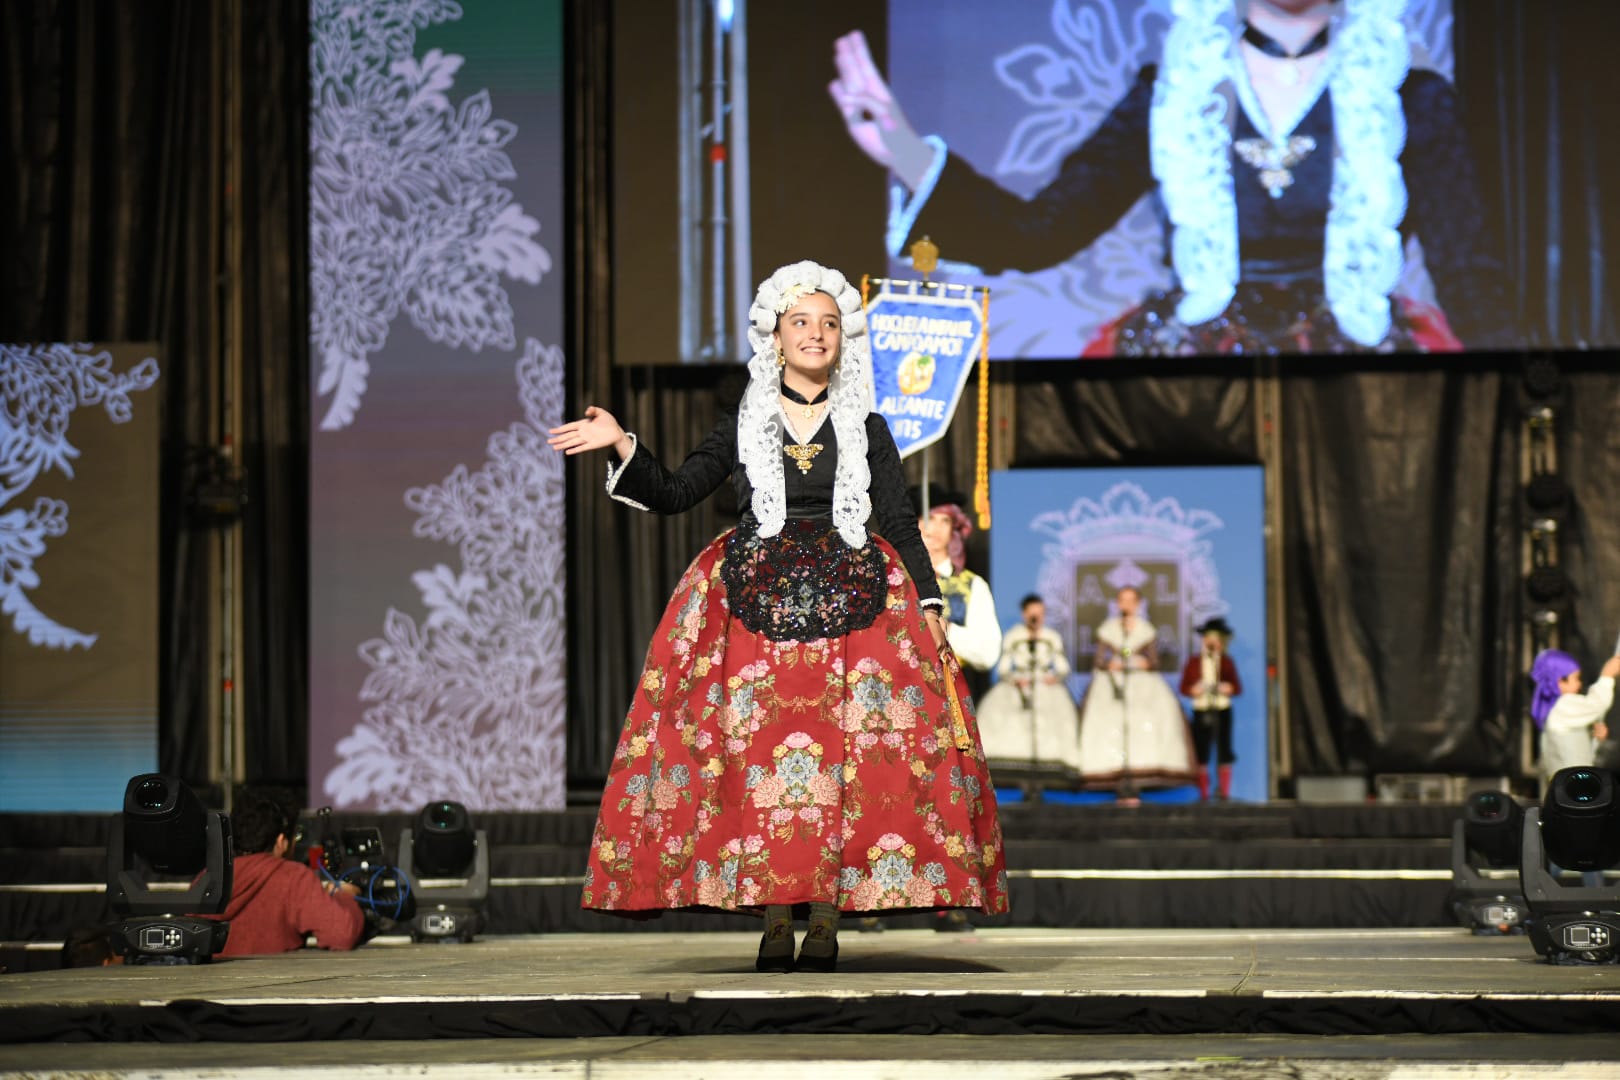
{"type": "Point", "coordinates": [849, 400]}
{"type": "Point", "coordinates": [1190, 139]}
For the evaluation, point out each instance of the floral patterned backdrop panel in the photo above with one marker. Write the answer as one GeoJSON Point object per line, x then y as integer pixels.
{"type": "Point", "coordinates": [438, 657]}
{"type": "Point", "coordinates": [79, 438]}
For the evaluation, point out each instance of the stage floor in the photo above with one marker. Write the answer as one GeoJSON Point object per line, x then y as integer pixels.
{"type": "Point", "coordinates": [820, 1057]}
{"type": "Point", "coordinates": [993, 982]}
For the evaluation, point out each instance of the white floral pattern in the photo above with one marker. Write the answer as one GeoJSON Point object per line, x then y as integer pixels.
{"type": "Point", "coordinates": [40, 387]}
{"type": "Point", "coordinates": [407, 212]}
{"type": "Point", "coordinates": [469, 703]}
{"type": "Point", "coordinates": [1070, 89]}
{"type": "Point", "coordinates": [1127, 516]}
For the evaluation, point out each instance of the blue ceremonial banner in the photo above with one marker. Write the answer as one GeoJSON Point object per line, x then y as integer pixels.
{"type": "Point", "coordinates": [925, 339]}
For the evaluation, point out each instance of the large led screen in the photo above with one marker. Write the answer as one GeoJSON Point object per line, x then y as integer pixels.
{"type": "Point", "coordinates": [1130, 177]}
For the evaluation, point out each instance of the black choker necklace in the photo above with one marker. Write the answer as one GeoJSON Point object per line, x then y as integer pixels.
{"type": "Point", "coordinates": [808, 403]}
{"type": "Point", "coordinates": [1271, 47]}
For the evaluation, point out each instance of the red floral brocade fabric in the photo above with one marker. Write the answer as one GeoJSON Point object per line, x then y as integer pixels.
{"type": "Point", "coordinates": [754, 772]}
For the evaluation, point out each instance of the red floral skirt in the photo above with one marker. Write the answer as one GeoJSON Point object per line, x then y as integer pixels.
{"type": "Point", "coordinates": [754, 771]}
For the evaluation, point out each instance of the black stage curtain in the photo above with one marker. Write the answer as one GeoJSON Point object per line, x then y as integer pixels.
{"type": "Point", "coordinates": [115, 148]}
{"type": "Point", "coordinates": [1547, 155]}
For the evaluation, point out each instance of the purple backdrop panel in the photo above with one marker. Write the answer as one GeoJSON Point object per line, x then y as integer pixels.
{"type": "Point", "coordinates": [437, 634]}
{"type": "Point", "coordinates": [79, 436]}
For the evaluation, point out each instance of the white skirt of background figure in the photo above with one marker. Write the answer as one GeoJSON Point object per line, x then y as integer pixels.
{"type": "Point", "coordinates": [1130, 721]}
{"type": "Point", "coordinates": [1028, 720]}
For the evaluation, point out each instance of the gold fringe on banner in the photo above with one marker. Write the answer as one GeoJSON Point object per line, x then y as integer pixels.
{"type": "Point", "coordinates": [981, 466]}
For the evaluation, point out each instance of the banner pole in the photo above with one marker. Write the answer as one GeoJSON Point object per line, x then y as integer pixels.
{"type": "Point", "coordinates": [927, 503]}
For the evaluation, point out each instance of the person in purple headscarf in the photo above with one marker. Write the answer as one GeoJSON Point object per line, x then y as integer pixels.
{"type": "Point", "coordinates": [1571, 723]}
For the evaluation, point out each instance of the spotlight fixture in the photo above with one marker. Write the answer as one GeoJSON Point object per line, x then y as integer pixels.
{"type": "Point", "coordinates": [1546, 493]}
{"type": "Point", "coordinates": [1547, 584]}
{"type": "Point", "coordinates": [1485, 841]}
{"type": "Point", "coordinates": [1576, 828]}
{"type": "Point", "coordinates": [446, 861]}
{"type": "Point", "coordinates": [163, 831]}
{"type": "Point", "coordinates": [1580, 819]}
{"type": "Point", "coordinates": [1542, 379]}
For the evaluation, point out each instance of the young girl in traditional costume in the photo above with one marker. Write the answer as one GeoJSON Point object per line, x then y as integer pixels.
{"type": "Point", "coordinates": [801, 734]}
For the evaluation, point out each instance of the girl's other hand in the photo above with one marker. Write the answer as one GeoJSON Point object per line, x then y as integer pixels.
{"type": "Point", "coordinates": [597, 431]}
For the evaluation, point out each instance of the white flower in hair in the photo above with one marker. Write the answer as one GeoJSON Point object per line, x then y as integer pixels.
{"type": "Point", "coordinates": [792, 295]}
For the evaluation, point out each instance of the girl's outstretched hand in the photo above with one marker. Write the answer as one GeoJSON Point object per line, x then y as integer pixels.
{"type": "Point", "coordinates": [597, 431]}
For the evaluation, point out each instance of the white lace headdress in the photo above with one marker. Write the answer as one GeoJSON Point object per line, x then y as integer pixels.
{"type": "Point", "coordinates": [1191, 140]}
{"type": "Point", "coordinates": [849, 400]}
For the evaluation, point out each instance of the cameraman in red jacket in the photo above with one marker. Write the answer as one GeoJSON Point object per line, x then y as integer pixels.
{"type": "Point", "coordinates": [276, 902]}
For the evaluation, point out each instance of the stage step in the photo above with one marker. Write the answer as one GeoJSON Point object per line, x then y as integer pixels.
{"type": "Point", "coordinates": [1198, 866]}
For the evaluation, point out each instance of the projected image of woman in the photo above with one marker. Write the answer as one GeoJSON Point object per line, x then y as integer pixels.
{"type": "Point", "coordinates": [1287, 204]}
{"type": "Point", "coordinates": [801, 734]}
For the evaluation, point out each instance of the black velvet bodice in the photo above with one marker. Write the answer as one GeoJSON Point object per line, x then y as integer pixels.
{"type": "Point", "coordinates": [1281, 239]}
{"type": "Point", "coordinates": [647, 483]}
{"type": "Point", "coordinates": [809, 493]}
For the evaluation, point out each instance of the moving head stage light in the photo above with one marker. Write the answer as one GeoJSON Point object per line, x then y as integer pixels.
{"type": "Point", "coordinates": [448, 863]}
{"type": "Point", "coordinates": [163, 830]}
{"type": "Point", "coordinates": [1487, 837]}
{"type": "Point", "coordinates": [1577, 828]}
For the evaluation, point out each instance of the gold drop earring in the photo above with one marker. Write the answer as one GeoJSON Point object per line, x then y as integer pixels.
{"type": "Point", "coordinates": [781, 357]}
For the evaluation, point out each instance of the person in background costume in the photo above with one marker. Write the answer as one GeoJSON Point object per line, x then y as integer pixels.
{"type": "Point", "coordinates": [1571, 723]}
{"type": "Point", "coordinates": [1132, 731]}
{"type": "Point", "coordinates": [970, 611]}
{"type": "Point", "coordinates": [801, 734]}
{"type": "Point", "coordinates": [1028, 720]}
{"type": "Point", "coordinates": [1210, 680]}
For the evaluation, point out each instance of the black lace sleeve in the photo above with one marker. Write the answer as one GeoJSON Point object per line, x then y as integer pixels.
{"type": "Point", "coordinates": [891, 507]}
{"type": "Point", "coordinates": [975, 220]}
{"type": "Point", "coordinates": [646, 484]}
{"type": "Point", "coordinates": [1447, 213]}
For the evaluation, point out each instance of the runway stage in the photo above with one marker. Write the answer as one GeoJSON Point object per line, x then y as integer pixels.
{"type": "Point", "coordinates": [994, 982]}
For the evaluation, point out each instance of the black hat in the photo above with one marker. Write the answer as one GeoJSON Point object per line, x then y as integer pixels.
{"type": "Point", "coordinates": [1216, 625]}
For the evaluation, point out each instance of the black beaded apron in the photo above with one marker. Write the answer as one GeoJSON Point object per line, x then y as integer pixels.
{"type": "Point", "coordinates": [804, 583]}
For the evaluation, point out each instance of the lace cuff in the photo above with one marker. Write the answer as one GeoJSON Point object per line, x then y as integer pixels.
{"type": "Point", "coordinates": [614, 473]}
{"type": "Point", "coordinates": [935, 602]}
